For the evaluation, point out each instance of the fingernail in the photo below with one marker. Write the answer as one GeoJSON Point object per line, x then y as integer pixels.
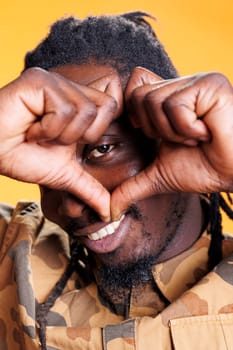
{"type": "Point", "coordinates": [115, 216]}
{"type": "Point", "coordinates": [190, 142]}
{"type": "Point", "coordinates": [205, 138]}
{"type": "Point", "coordinates": [105, 218]}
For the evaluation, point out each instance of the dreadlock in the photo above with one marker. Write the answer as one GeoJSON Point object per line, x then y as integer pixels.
{"type": "Point", "coordinates": [78, 263]}
{"type": "Point", "coordinates": [124, 42]}
{"type": "Point", "coordinates": [217, 203]}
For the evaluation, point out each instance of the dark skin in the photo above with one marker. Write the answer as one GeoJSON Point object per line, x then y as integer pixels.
{"type": "Point", "coordinates": [123, 158]}
{"type": "Point", "coordinates": [80, 111]}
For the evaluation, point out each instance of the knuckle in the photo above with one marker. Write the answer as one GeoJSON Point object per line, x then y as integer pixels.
{"type": "Point", "coordinates": [89, 111]}
{"type": "Point", "coordinates": [170, 103]}
{"type": "Point", "coordinates": [110, 104]}
{"type": "Point", "coordinates": [217, 78]}
{"type": "Point", "coordinates": [67, 110]}
{"type": "Point", "coordinates": [151, 98]}
{"type": "Point", "coordinates": [47, 133]}
{"type": "Point", "coordinates": [34, 73]}
{"type": "Point", "coordinates": [133, 78]}
{"type": "Point", "coordinates": [139, 94]}
{"type": "Point", "coordinates": [136, 71]}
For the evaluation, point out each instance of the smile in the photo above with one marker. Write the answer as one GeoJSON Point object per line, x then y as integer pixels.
{"type": "Point", "coordinates": [105, 231]}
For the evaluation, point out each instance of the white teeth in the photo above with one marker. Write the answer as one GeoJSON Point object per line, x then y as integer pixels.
{"type": "Point", "coordinates": [94, 236]}
{"type": "Point", "coordinates": [115, 224]}
{"type": "Point", "coordinates": [110, 229]}
{"type": "Point", "coordinates": [105, 231]}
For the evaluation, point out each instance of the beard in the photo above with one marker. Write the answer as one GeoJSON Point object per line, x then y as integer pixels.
{"type": "Point", "coordinates": [131, 273]}
{"type": "Point", "coordinates": [114, 275]}
{"type": "Point", "coordinates": [127, 275]}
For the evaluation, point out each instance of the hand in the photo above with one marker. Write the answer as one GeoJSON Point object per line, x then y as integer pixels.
{"type": "Point", "coordinates": [193, 117]}
{"type": "Point", "coordinates": [42, 116]}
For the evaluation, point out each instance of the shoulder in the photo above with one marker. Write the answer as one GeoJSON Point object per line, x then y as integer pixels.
{"type": "Point", "coordinates": [6, 211]}
{"type": "Point", "coordinates": [227, 244]}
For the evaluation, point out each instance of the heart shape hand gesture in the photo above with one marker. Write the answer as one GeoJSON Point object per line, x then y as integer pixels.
{"type": "Point", "coordinates": [44, 115]}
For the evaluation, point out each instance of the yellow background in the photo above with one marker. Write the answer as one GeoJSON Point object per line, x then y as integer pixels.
{"type": "Point", "coordinates": [197, 35]}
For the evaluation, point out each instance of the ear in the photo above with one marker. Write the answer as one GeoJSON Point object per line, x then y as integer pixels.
{"type": "Point", "coordinates": [111, 85]}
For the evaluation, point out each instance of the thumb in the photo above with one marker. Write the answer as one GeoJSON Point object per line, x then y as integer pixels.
{"type": "Point", "coordinates": [135, 188]}
{"type": "Point", "coordinates": [139, 80]}
{"type": "Point", "coordinates": [74, 179]}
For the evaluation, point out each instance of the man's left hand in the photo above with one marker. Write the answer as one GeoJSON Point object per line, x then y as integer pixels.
{"type": "Point", "coordinates": [193, 118]}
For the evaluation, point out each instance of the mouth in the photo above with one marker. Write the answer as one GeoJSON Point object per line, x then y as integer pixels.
{"type": "Point", "coordinates": [107, 238]}
{"type": "Point", "coordinates": [107, 230]}
{"type": "Point", "coordinates": [101, 238]}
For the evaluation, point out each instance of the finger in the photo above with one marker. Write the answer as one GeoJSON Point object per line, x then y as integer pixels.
{"type": "Point", "coordinates": [145, 106]}
{"type": "Point", "coordinates": [132, 190]}
{"type": "Point", "coordinates": [105, 94]}
{"type": "Point", "coordinates": [215, 104]}
{"type": "Point", "coordinates": [138, 79]}
{"type": "Point", "coordinates": [72, 178]}
{"type": "Point", "coordinates": [88, 125]}
{"type": "Point", "coordinates": [139, 90]}
{"type": "Point", "coordinates": [165, 104]}
{"type": "Point", "coordinates": [34, 95]}
{"type": "Point", "coordinates": [77, 113]}
{"type": "Point", "coordinates": [109, 102]}
{"type": "Point", "coordinates": [89, 190]}
{"type": "Point", "coordinates": [111, 85]}
{"type": "Point", "coordinates": [66, 113]}
{"type": "Point", "coordinates": [138, 114]}
{"type": "Point", "coordinates": [155, 98]}
{"type": "Point", "coordinates": [173, 109]}
{"type": "Point", "coordinates": [22, 101]}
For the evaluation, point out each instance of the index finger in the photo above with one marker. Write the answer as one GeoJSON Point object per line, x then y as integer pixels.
{"type": "Point", "coordinates": [107, 94]}
{"type": "Point", "coordinates": [139, 79]}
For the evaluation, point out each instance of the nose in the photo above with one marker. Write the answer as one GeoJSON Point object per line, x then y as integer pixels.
{"type": "Point", "coordinates": [71, 206]}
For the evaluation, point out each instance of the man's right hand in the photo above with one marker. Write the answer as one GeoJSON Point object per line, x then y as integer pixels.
{"type": "Point", "coordinates": [42, 117]}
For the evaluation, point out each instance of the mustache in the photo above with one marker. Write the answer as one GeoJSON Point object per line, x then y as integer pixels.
{"type": "Point", "coordinates": [134, 212]}
{"type": "Point", "coordinates": [92, 218]}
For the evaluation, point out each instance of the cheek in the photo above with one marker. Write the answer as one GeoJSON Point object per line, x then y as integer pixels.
{"type": "Point", "coordinates": [50, 202]}
{"type": "Point", "coordinates": [158, 211]}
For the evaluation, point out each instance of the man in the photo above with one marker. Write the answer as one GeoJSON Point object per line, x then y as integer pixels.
{"type": "Point", "coordinates": [124, 159]}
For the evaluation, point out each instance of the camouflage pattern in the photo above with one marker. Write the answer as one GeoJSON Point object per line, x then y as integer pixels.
{"type": "Point", "coordinates": [33, 255]}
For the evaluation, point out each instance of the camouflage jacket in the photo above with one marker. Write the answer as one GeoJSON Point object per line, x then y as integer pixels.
{"type": "Point", "coordinates": [33, 255]}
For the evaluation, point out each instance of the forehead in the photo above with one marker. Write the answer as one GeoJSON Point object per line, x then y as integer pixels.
{"type": "Point", "coordinates": [85, 73]}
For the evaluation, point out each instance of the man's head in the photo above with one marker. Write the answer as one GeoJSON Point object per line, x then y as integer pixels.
{"type": "Point", "coordinates": [82, 51]}
{"type": "Point", "coordinates": [123, 41]}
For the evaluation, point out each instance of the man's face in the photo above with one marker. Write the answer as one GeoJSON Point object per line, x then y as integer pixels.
{"type": "Point", "coordinates": [149, 225]}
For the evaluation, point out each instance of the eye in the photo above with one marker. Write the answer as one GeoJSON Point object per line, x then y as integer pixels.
{"type": "Point", "coordinates": [99, 151]}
